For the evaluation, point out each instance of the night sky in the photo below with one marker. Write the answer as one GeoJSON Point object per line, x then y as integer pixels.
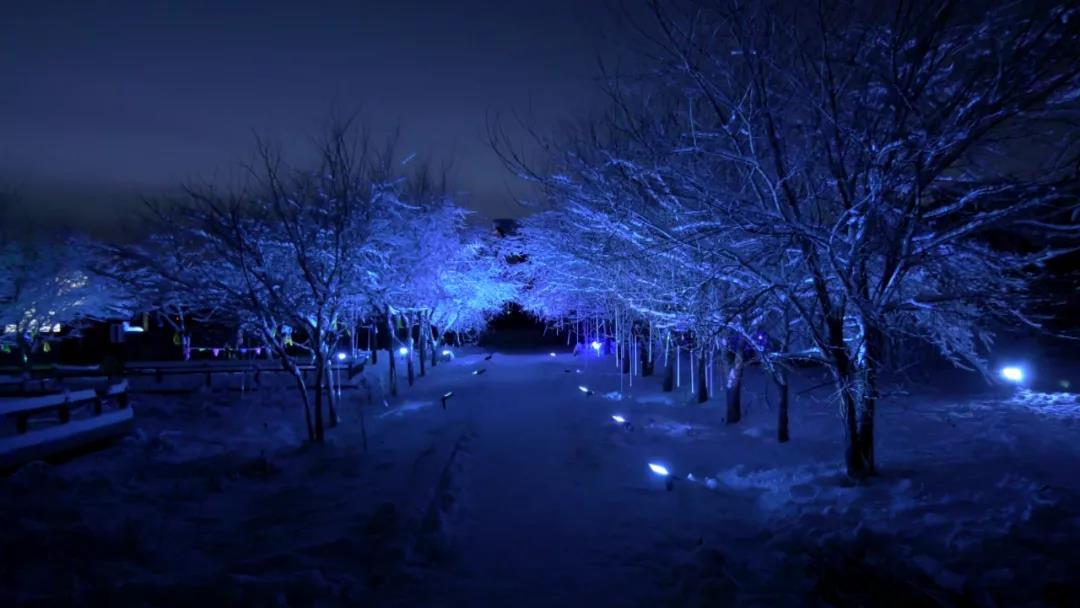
{"type": "Point", "coordinates": [102, 104]}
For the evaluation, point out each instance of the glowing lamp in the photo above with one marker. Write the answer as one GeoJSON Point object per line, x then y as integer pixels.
{"type": "Point", "coordinates": [619, 419]}
{"type": "Point", "coordinates": [659, 469]}
{"type": "Point", "coordinates": [403, 351]}
{"type": "Point", "coordinates": [342, 356]}
{"type": "Point", "coordinates": [596, 344]}
{"type": "Point", "coordinates": [583, 389]}
{"type": "Point", "coordinates": [552, 354]}
{"type": "Point", "coordinates": [446, 353]}
{"type": "Point", "coordinates": [1012, 374]}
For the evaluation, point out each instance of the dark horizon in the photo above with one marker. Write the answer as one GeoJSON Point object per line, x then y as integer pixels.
{"type": "Point", "coordinates": [105, 106]}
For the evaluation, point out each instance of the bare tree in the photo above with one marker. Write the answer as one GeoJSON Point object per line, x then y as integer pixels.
{"type": "Point", "coordinates": [846, 169]}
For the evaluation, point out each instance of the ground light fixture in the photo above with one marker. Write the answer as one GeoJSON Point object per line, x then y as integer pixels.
{"type": "Point", "coordinates": [662, 471]}
{"type": "Point", "coordinates": [585, 389]}
{"type": "Point", "coordinates": [1013, 374]}
{"type": "Point", "coordinates": [403, 351]}
{"type": "Point", "coordinates": [342, 356]}
{"type": "Point", "coordinates": [596, 345]}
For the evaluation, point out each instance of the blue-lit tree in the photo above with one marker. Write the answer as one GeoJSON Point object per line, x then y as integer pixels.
{"type": "Point", "coordinates": [47, 292]}
{"type": "Point", "coordinates": [847, 169]}
{"type": "Point", "coordinates": [295, 250]}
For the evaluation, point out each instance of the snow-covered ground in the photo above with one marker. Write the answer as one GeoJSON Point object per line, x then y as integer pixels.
{"type": "Point", "coordinates": [525, 492]}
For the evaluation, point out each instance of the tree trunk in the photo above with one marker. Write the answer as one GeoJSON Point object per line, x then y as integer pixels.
{"type": "Point", "coordinates": [626, 357]}
{"type": "Point", "coordinates": [868, 402]}
{"type": "Point", "coordinates": [669, 371]}
{"type": "Point", "coordinates": [409, 344]}
{"type": "Point", "coordinates": [733, 392]}
{"type": "Point", "coordinates": [373, 344]}
{"type": "Point", "coordinates": [300, 384]}
{"type": "Point", "coordinates": [782, 433]}
{"type": "Point", "coordinates": [424, 335]}
{"type": "Point", "coordinates": [332, 398]}
{"type": "Point", "coordinates": [390, 352]}
{"type": "Point", "coordinates": [853, 461]}
{"type": "Point", "coordinates": [319, 381]}
{"type": "Point", "coordinates": [702, 385]}
{"type": "Point", "coordinates": [646, 361]}
{"type": "Point", "coordinates": [866, 435]}
{"type": "Point", "coordinates": [436, 343]}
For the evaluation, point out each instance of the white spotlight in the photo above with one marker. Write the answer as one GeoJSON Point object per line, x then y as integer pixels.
{"type": "Point", "coordinates": [659, 469]}
{"type": "Point", "coordinates": [1012, 374]}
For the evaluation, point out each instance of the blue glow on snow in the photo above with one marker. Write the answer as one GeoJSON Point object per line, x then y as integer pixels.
{"type": "Point", "coordinates": [1012, 373]}
{"type": "Point", "coordinates": [659, 469]}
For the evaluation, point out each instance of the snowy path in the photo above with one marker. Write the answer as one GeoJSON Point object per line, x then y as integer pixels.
{"type": "Point", "coordinates": [537, 516]}
{"type": "Point", "coordinates": [524, 492]}
{"type": "Point", "coordinates": [556, 506]}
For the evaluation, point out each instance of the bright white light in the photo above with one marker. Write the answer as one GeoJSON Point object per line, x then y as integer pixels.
{"type": "Point", "coordinates": [403, 351]}
{"type": "Point", "coordinates": [446, 353]}
{"type": "Point", "coordinates": [342, 356]}
{"type": "Point", "coordinates": [659, 469]}
{"type": "Point", "coordinates": [583, 389]}
{"type": "Point", "coordinates": [552, 354]}
{"type": "Point", "coordinates": [596, 345]}
{"type": "Point", "coordinates": [132, 329]}
{"type": "Point", "coordinates": [1012, 374]}
{"type": "Point", "coordinates": [619, 419]}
